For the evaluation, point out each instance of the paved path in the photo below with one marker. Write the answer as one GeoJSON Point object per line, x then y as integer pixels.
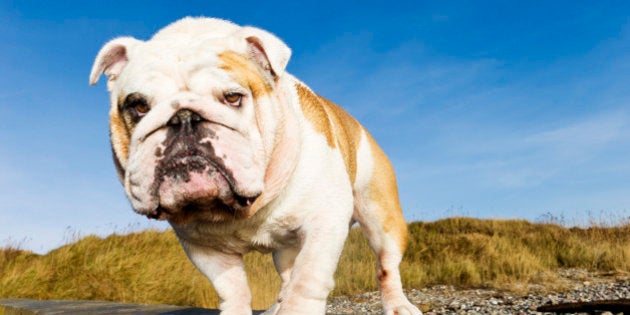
{"type": "Point", "coordinates": [60, 307]}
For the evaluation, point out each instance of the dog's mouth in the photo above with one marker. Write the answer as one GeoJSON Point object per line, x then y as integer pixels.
{"type": "Point", "coordinates": [194, 185]}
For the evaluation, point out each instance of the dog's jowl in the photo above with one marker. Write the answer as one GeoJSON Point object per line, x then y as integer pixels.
{"type": "Point", "coordinates": [212, 134]}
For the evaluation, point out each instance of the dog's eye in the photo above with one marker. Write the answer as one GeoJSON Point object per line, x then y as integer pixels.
{"type": "Point", "coordinates": [137, 105]}
{"type": "Point", "coordinates": [233, 98]}
{"type": "Point", "coordinates": [141, 108]}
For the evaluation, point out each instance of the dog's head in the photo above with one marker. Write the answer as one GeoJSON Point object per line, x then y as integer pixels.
{"type": "Point", "coordinates": [194, 117]}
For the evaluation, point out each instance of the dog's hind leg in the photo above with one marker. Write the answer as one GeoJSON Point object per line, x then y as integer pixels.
{"type": "Point", "coordinates": [378, 211]}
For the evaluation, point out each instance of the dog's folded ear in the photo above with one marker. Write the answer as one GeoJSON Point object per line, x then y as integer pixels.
{"type": "Point", "coordinates": [267, 50]}
{"type": "Point", "coordinates": [112, 58]}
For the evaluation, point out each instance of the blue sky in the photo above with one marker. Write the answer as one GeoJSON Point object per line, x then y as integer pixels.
{"type": "Point", "coordinates": [490, 109]}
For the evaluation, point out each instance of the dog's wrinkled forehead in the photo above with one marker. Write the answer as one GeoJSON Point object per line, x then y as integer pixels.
{"type": "Point", "coordinates": [177, 62]}
{"type": "Point", "coordinates": [187, 46]}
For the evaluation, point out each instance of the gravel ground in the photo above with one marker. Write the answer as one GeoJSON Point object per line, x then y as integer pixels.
{"type": "Point", "coordinates": [581, 286]}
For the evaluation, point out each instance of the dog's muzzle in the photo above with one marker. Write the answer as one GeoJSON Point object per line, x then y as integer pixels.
{"type": "Point", "coordinates": [190, 177]}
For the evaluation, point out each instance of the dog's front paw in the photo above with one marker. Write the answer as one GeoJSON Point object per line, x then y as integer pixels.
{"type": "Point", "coordinates": [405, 308]}
{"type": "Point", "coordinates": [298, 306]}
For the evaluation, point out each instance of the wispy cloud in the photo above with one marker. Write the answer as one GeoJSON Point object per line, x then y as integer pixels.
{"type": "Point", "coordinates": [580, 141]}
{"type": "Point", "coordinates": [572, 149]}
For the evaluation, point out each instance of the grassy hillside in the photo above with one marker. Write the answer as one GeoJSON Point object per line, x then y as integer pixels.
{"type": "Point", "coordinates": [150, 267]}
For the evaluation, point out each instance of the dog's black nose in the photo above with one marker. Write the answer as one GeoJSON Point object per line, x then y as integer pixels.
{"type": "Point", "coordinates": [184, 117]}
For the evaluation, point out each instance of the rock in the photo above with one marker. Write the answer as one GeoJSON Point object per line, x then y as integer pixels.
{"type": "Point", "coordinates": [441, 299]}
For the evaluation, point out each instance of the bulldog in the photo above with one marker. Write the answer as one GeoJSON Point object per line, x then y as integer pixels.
{"type": "Point", "coordinates": [210, 133]}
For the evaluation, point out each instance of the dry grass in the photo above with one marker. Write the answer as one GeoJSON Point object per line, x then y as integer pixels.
{"type": "Point", "coordinates": [494, 253]}
{"type": "Point", "coordinates": [150, 267]}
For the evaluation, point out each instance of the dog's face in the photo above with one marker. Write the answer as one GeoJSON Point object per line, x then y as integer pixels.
{"type": "Point", "coordinates": [193, 118]}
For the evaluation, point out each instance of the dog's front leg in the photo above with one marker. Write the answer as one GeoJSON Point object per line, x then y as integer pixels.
{"type": "Point", "coordinates": [311, 277]}
{"type": "Point", "coordinates": [227, 274]}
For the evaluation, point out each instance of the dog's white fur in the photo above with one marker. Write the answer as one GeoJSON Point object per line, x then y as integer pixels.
{"type": "Point", "coordinates": [313, 187]}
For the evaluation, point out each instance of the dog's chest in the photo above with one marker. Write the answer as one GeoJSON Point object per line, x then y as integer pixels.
{"type": "Point", "coordinates": [243, 236]}
{"type": "Point", "coordinates": [272, 236]}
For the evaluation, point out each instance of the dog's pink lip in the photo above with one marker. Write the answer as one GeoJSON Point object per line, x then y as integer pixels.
{"type": "Point", "coordinates": [187, 188]}
{"type": "Point", "coordinates": [187, 156]}
{"type": "Point", "coordinates": [192, 156]}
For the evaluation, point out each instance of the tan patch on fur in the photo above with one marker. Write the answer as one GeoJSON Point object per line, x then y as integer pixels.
{"type": "Point", "coordinates": [120, 136]}
{"type": "Point", "coordinates": [315, 113]}
{"type": "Point", "coordinates": [383, 190]}
{"type": "Point", "coordinates": [340, 129]}
{"type": "Point", "coordinates": [245, 72]}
